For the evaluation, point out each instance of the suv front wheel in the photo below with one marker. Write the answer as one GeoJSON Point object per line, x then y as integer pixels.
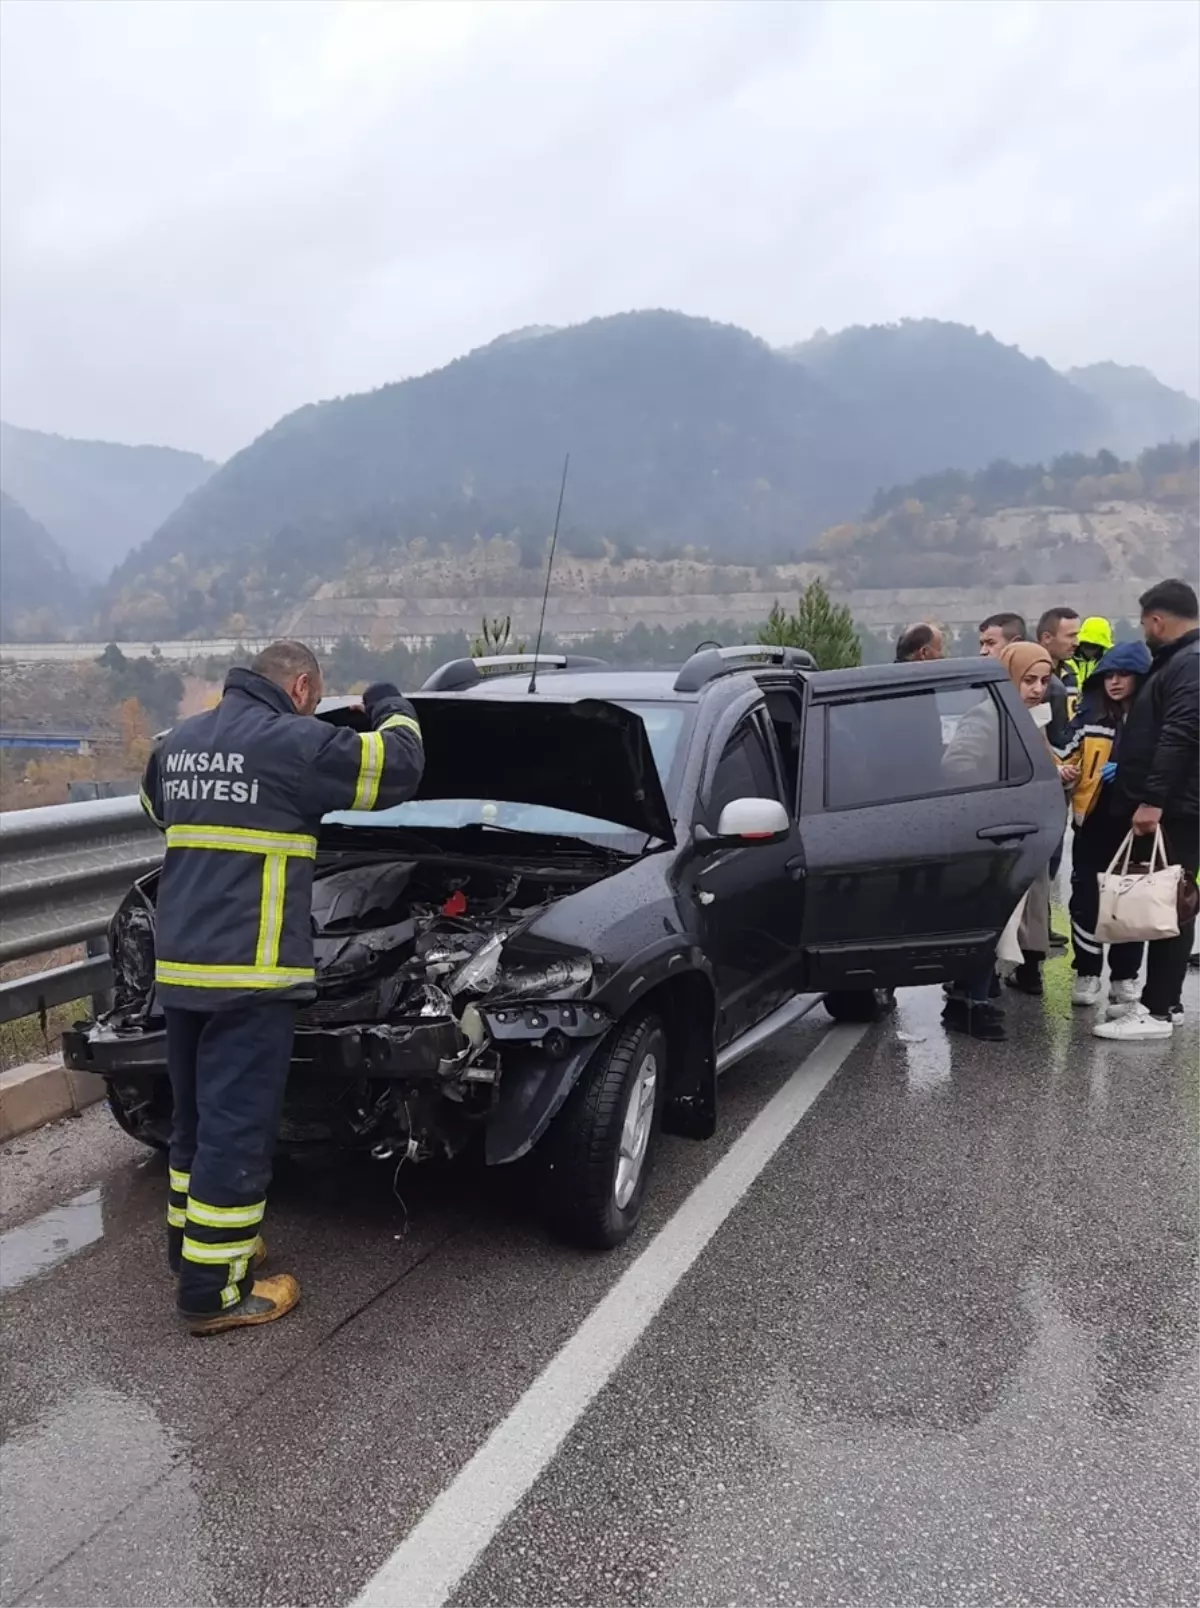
{"type": "Point", "coordinates": [599, 1153]}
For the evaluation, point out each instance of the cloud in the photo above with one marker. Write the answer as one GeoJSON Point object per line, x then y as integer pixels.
{"type": "Point", "coordinates": [215, 212]}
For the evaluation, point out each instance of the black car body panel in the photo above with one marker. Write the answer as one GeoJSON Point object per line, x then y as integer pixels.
{"type": "Point", "coordinates": [471, 971]}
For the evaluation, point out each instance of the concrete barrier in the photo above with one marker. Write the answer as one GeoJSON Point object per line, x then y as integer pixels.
{"type": "Point", "coordinates": [42, 1092]}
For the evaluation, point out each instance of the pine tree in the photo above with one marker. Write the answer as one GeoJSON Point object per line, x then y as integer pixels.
{"type": "Point", "coordinates": [495, 638]}
{"type": "Point", "coordinates": [825, 628]}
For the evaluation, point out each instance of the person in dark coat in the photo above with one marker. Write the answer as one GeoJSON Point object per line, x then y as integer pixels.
{"type": "Point", "coordinates": [1158, 785]}
{"type": "Point", "coordinates": [1093, 745]}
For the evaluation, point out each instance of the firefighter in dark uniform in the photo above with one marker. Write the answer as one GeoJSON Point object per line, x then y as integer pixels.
{"type": "Point", "coordinates": [240, 791]}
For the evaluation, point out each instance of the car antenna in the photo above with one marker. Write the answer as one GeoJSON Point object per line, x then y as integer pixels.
{"type": "Point", "coordinates": [537, 647]}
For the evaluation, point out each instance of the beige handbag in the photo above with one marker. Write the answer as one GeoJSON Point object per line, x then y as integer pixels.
{"type": "Point", "coordinates": [1139, 903]}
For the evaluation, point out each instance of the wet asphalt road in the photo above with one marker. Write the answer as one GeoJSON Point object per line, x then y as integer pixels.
{"type": "Point", "coordinates": [942, 1352]}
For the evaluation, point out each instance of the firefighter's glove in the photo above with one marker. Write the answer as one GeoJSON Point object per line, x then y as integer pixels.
{"type": "Point", "coordinates": [382, 700]}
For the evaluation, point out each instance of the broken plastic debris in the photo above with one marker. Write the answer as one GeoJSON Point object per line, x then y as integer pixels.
{"type": "Point", "coordinates": [427, 1000]}
{"type": "Point", "coordinates": [479, 973]}
{"type": "Point", "coordinates": [472, 1025]}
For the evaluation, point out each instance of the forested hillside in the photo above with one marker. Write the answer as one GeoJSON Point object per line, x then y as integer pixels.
{"type": "Point", "coordinates": [1139, 409]}
{"type": "Point", "coordinates": [98, 498]}
{"type": "Point", "coordinates": [681, 433]}
{"type": "Point", "coordinates": [39, 595]}
{"type": "Point", "coordinates": [1076, 519]}
{"type": "Point", "coordinates": [933, 395]}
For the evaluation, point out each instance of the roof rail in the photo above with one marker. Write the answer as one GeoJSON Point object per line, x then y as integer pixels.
{"type": "Point", "coordinates": [710, 663]}
{"type": "Point", "coordinates": [459, 674]}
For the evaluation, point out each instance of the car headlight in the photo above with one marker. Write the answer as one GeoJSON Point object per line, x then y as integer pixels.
{"type": "Point", "coordinates": [564, 977]}
{"type": "Point", "coordinates": [495, 969]}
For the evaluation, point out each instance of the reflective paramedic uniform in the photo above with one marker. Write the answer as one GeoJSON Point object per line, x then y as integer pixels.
{"type": "Point", "coordinates": [240, 791]}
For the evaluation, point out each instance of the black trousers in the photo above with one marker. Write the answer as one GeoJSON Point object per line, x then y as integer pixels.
{"type": "Point", "coordinates": [1166, 961]}
{"type": "Point", "coordinates": [1096, 841]}
{"type": "Point", "coordinates": [228, 1072]}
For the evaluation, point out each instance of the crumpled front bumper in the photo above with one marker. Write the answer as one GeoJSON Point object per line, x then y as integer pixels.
{"type": "Point", "coordinates": [438, 1049]}
{"type": "Point", "coordinates": [413, 1051]}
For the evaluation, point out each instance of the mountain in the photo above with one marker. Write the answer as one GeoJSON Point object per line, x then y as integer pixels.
{"type": "Point", "coordinates": [39, 595]}
{"type": "Point", "coordinates": [100, 499]}
{"type": "Point", "coordinates": [1077, 521]}
{"type": "Point", "coordinates": [682, 433]}
{"type": "Point", "coordinates": [936, 395]}
{"type": "Point", "coordinates": [1139, 408]}
{"type": "Point", "coordinates": [679, 430]}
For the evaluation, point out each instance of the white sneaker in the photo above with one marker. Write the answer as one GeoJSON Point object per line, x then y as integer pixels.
{"type": "Point", "coordinates": [1087, 991]}
{"type": "Point", "coordinates": [1136, 1024]}
{"type": "Point", "coordinates": [1114, 1013]}
{"type": "Point", "coordinates": [1126, 992]}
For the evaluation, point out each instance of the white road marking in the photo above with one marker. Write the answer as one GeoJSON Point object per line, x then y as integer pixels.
{"type": "Point", "coordinates": [452, 1534]}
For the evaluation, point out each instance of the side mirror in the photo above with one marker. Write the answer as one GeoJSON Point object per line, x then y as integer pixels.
{"type": "Point", "coordinates": [747, 821]}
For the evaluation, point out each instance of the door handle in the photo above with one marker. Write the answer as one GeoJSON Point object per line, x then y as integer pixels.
{"type": "Point", "coordinates": [1001, 834]}
{"type": "Point", "coordinates": [795, 867]}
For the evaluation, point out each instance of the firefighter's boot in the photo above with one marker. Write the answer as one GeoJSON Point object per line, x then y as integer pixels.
{"type": "Point", "coordinates": [268, 1299]}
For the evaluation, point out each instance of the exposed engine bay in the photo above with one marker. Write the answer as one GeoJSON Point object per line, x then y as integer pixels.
{"type": "Point", "coordinates": [421, 978]}
{"type": "Point", "coordinates": [409, 939]}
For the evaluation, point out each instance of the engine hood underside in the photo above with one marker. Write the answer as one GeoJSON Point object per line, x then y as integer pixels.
{"type": "Point", "coordinates": [583, 756]}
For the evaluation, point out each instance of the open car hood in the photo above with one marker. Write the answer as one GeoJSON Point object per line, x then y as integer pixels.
{"type": "Point", "coordinates": [585, 756]}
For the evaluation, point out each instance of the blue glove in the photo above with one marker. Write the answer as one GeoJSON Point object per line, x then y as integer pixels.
{"type": "Point", "coordinates": [1108, 771]}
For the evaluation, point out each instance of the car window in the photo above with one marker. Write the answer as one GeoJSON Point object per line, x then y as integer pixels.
{"type": "Point", "coordinates": [745, 770]}
{"type": "Point", "coordinates": [664, 725]}
{"type": "Point", "coordinates": [784, 713]}
{"type": "Point", "coordinates": [916, 744]}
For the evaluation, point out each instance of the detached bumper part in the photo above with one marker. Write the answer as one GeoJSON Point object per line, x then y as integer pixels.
{"type": "Point", "coordinates": [422, 1049]}
{"type": "Point", "coordinates": [407, 1050]}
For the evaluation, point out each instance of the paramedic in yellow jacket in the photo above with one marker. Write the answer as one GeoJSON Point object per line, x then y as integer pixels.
{"type": "Point", "coordinates": [1093, 743]}
{"type": "Point", "coordinates": [1095, 639]}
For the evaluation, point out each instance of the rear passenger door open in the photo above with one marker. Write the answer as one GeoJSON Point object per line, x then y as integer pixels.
{"type": "Point", "coordinates": [926, 811]}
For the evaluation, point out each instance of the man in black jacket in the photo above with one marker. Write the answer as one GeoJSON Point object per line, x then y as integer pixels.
{"type": "Point", "coordinates": [1157, 782]}
{"type": "Point", "coordinates": [240, 792]}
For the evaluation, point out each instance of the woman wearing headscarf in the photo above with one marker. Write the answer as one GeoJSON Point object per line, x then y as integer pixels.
{"type": "Point", "coordinates": [970, 757]}
{"type": "Point", "coordinates": [1030, 668]}
{"type": "Point", "coordinates": [1093, 744]}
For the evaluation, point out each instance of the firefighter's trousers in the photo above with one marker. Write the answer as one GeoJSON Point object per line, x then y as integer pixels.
{"type": "Point", "coordinates": [228, 1072]}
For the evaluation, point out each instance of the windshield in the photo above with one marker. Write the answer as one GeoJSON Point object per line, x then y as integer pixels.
{"type": "Point", "coordinates": [664, 725]}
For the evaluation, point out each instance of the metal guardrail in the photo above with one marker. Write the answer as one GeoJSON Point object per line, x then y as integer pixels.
{"type": "Point", "coordinates": [64, 868]}
{"type": "Point", "coordinates": [67, 742]}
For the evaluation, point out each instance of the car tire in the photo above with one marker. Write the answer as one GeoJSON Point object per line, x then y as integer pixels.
{"type": "Point", "coordinates": [599, 1153]}
{"type": "Point", "coordinates": [860, 1004]}
{"type": "Point", "coordinates": [135, 1130]}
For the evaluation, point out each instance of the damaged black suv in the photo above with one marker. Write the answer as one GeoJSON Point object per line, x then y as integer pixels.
{"type": "Point", "coordinates": [610, 888]}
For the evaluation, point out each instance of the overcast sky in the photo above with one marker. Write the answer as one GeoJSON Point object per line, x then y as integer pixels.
{"type": "Point", "coordinates": [215, 212]}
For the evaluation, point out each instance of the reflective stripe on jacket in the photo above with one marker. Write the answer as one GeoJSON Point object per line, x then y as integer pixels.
{"type": "Point", "coordinates": [1094, 736]}
{"type": "Point", "coordinates": [240, 791]}
{"type": "Point", "coordinates": [1090, 746]}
